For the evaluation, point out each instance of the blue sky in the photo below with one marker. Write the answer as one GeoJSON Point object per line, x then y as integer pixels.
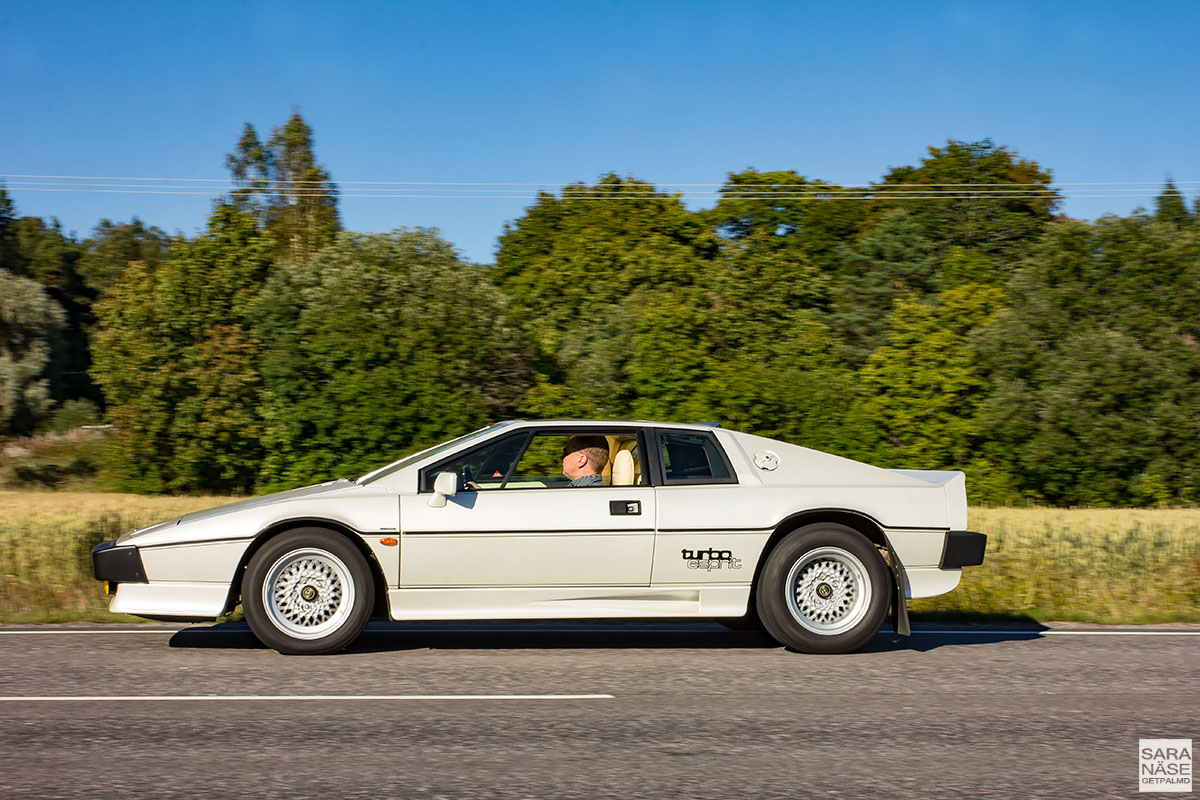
{"type": "Point", "coordinates": [553, 92]}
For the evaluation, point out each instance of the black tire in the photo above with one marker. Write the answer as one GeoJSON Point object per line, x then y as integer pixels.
{"type": "Point", "coordinates": [824, 589]}
{"type": "Point", "coordinates": [322, 597]}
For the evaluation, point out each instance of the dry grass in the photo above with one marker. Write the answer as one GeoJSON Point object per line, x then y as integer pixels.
{"type": "Point", "coordinates": [1098, 565]}
{"type": "Point", "coordinates": [46, 540]}
{"type": "Point", "coordinates": [1092, 565]}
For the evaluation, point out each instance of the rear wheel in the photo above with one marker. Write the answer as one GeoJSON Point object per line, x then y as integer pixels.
{"type": "Point", "coordinates": [824, 589]}
{"type": "Point", "coordinates": [307, 592]}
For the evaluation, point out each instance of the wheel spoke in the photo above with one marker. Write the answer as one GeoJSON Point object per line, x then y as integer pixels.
{"type": "Point", "coordinates": [828, 590]}
{"type": "Point", "coordinates": [308, 593]}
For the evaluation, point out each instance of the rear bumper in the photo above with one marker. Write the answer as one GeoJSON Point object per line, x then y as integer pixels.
{"type": "Point", "coordinates": [117, 564]}
{"type": "Point", "coordinates": [963, 549]}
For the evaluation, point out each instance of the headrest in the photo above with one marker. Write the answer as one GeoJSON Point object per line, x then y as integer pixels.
{"type": "Point", "coordinates": [622, 469]}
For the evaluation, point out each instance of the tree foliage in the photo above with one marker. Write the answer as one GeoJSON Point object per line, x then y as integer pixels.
{"type": "Point", "coordinates": [281, 185]}
{"type": "Point", "coordinates": [945, 317]}
{"type": "Point", "coordinates": [1094, 366]}
{"type": "Point", "coordinates": [113, 245]}
{"type": "Point", "coordinates": [178, 365]}
{"type": "Point", "coordinates": [31, 326]}
{"type": "Point", "coordinates": [380, 344]}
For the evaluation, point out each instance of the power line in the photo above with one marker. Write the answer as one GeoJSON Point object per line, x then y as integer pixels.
{"type": "Point", "coordinates": [808, 184]}
{"type": "Point", "coordinates": [624, 196]}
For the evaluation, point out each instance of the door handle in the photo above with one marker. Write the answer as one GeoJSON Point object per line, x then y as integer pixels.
{"type": "Point", "coordinates": [621, 508]}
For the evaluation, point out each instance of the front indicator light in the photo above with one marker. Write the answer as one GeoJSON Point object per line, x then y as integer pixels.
{"type": "Point", "coordinates": [389, 541]}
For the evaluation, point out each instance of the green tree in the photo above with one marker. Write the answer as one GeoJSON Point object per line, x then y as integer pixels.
{"type": "Point", "coordinates": [379, 345]}
{"type": "Point", "coordinates": [582, 271]}
{"type": "Point", "coordinates": [1170, 208]}
{"type": "Point", "coordinates": [923, 388]}
{"type": "Point", "coordinates": [282, 186]}
{"type": "Point", "coordinates": [995, 203]}
{"type": "Point", "coordinates": [1095, 368]}
{"type": "Point", "coordinates": [10, 258]}
{"type": "Point", "coordinates": [41, 251]}
{"type": "Point", "coordinates": [893, 260]}
{"type": "Point", "coordinates": [176, 361]}
{"type": "Point", "coordinates": [784, 211]}
{"type": "Point", "coordinates": [250, 166]}
{"type": "Point", "coordinates": [31, 325]}
{"type": "Point", "coordinates": [112, 246]}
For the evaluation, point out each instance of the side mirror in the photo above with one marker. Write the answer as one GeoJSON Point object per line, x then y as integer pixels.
{"type": "Point", "coordinates": [444, 485]}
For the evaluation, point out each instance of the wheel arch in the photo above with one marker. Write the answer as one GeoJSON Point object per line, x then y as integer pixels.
{"type": "Point", "coordinates": [865, 524]}
{"type": "Point", "coordinates": [283, 526]}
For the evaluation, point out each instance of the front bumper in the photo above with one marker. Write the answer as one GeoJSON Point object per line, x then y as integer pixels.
{"type": "Point", "coordinates": [117, 565]}
{"type": "Point", "coordinates": [963, 549]}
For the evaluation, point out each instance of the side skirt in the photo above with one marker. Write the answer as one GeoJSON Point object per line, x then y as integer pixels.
{"type": "Point", "coordinates": [573, 602]}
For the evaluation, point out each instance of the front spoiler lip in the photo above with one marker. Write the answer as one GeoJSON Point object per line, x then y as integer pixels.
{"type": "Point", "coordinates": [117, 564]}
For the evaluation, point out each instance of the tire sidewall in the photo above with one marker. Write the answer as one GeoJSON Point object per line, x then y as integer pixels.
{"type": "Point", "coordinates": [772, 590]}
{"type": "Point", "coordinates": [299, 539]}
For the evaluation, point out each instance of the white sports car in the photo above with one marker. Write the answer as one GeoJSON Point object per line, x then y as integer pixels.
{"type": "Point", "coordinates": [566, 519]}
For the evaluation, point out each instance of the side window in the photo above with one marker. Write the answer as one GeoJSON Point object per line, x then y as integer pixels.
{"type": "Point", "coordinates": [579, 460]}
{"type": "Point", "coordinates": [484, 468]}
{"type": "Point", "coordinates": [541, 465]}
{"type": "Point", "coordinates": [692, 458]}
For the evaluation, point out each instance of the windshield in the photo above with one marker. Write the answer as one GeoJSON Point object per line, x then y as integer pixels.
{"type": "Point", "coordinates": [383, 472]}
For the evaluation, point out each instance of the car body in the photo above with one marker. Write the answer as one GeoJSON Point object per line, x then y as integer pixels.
{"type": "Point", "coordinates": [688, 520]}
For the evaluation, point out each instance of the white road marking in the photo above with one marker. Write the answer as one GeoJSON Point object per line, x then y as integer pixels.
{"type": "Point", "coordinates": [175, 697]}
{"type": "Point", "coordinates": [1058, 633]}
{"type": "Point", "coordinates": [918, 632]}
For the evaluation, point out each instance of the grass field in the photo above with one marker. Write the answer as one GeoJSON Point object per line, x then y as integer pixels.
{"type": "Point", "coordinates": [1097, 565]}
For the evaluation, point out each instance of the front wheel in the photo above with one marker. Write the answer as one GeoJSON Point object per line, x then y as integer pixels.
{"type": "Point", "coordinates": [307, 592]}
{"type": "Point", "coordinates": [824, 589]}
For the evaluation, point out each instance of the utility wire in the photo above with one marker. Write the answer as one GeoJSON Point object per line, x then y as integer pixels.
{"type": "Point", "coordinates": [806, 184]}
{"type": "Point", "coordinates": [600, 197]}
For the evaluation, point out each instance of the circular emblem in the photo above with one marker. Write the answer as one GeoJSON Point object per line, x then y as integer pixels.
{"type": "Point", "coordinates": [309, 594]}
{"type": "Point", "coordinates": [824, 590]}
{"type": "Point", "coordinates": [766, 460]}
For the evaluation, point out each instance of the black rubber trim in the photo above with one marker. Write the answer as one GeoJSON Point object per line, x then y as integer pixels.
{"type": "Point", "coordinates": [963, 549]}
{"type": "Point", "coordinates": [117, 564]}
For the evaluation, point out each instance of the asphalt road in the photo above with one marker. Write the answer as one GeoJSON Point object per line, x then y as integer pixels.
{"type": "Point", "coordinates": [681, 710]}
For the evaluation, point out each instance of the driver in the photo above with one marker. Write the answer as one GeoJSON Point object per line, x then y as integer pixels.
{"type": "Point", "coordinates": [583, 459]}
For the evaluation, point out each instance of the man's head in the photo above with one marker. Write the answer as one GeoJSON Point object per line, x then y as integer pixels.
{"type": "Point", "coordinates": [584, 455]}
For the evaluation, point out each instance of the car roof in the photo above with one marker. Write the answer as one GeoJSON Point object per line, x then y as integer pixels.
{"type": "Point", "coordinates": [566, 423]}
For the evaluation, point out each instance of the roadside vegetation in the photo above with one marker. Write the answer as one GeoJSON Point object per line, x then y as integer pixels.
{"type": "Point", "coordinates": [949, 316]}
{"type": "Point", "coordinates": [1105, 565]}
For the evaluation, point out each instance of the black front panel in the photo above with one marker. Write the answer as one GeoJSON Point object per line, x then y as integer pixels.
{"type": "Point", "coordinates": [117, 564]}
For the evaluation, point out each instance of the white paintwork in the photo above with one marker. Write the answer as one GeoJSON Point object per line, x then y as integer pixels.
{"type": "Point", "coordinates": [213, 562]}
{"type": "Point", "coordinates": [528, 537]}
{"type": "Point", "coordinates": [929, 581]}
{"type": "Point", "coordinates": [530, 552]}
{"type": "Point", "coordinates": [569, 603]}
{"type": "Point", "coordinates": [367, 509]}
{"type": "Point", "coordinates": [672, 567]}
{"type": "Point", "coordinates": [170, 599]}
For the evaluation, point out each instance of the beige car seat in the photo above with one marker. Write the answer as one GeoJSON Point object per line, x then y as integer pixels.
{"type": "Point", "coordinates": [623, 467]}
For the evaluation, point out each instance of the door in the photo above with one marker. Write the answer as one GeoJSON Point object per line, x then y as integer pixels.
{"type": "Point", "coordinates": [517, 520]}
